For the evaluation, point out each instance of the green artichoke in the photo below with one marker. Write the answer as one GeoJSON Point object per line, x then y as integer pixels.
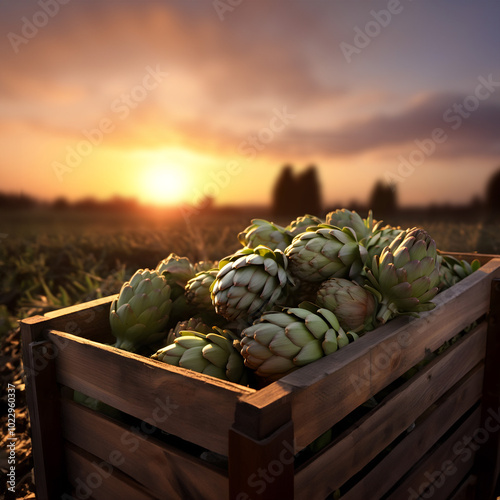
{"type": "Point", "coordinates": [324, 252]}
{"type": "Point", "coordinates": [249, 281]}
{"type": "Point", "coordinates": [198, 290]}
{"type": "Point", "coordinates": [382, 238]}
{"type": "Point", "coordinates": [204, 265]}
{"type": "Point", "coordinates": [189, 325]}
{"type": "Point", "coordinates": [216, 354]}
{"type": "Point", "coordinates": [140, 314]}
{"type": "Point", "coordinates": [345, 218]}
{"type": "Point", "coordinates": [263, 232]}
{"type": "Point", "coordinates": [301, 224]}
{"type": "Point", "coordinates": [354, 306]}
{"type": "Point", "coordinates": [452, 270]}
{"type": "Point", "coordinates": [405, 277]}
{"type": "Point", "coordinates": [280, 342]}
{"type": "Point", "coordinates": [177, 271]}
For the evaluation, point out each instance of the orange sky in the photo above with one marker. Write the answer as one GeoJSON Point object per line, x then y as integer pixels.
{"type": "Point", "coordinates": [166, 101]}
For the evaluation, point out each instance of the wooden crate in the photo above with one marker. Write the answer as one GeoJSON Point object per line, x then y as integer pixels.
{"type": "Point", "coordinates": [434, 435]}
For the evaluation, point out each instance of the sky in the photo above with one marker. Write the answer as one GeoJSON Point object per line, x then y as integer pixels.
{"type": "Point", "coordinates": [169, 101]}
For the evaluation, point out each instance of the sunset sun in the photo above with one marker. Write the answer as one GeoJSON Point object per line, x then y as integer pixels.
{"type": "Point", "coordinates": [166, 185]}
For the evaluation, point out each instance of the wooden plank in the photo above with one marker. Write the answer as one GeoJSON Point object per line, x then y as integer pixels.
{"type": "Point", "coordinates": [193, 406]}
{"type": "Point", "coordinates": [91, 476]}
{"type": "Point", "coordinates": [165, 470]}
{"type": "Point", "coordinates": [483, 258]}
{"type": "Point", "coordinates": [466, 491]}
{"type": "Point", "coordinates": [89, 320]}
{"type": "Point", "coordinates": [370, 435]}
{"type": "Point", "coordinates": [488, 463]}
{"type": "Point", "coordinates": [325, 391]}
{"type": "Point", "coordinates": [43, 403]}
{"type": "Point", "coordinates": [430, 427]}
{"type": "Point", "coordinates": [443, 468]}
{"type": "Point", "coordinates": [262, 470]}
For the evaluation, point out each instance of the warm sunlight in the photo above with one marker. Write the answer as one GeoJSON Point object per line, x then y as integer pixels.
{"type": "Point", "coordinates": [165, 185]}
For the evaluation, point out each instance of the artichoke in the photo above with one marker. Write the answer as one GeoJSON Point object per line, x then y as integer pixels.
{"type": "Point", "coordinates": [177, 271]}
{"type": "Point", "coordinates": [405, 277]}
{"type": "Point", "coordinates": [197, 290]}
{"type": "Point", "coordinates": [381, 239]}
{"type": "Point", "coordinates": [354, 306]}
{"type": "Point", "coordinates": [324, 252]}
{"type": "Point", "coordinates": [300, 224]}
{"type": "Point", "coordinates": [189, 325]}
{"type": "Point", "coordinates": [280, 342]}
{"type": "Point", "coordinates": [140, 314]}
{"type": "Point", "coordinates": [263, 232]}
{"type": "Point", "coordinates": [249, 281]}
{"type": "Point", "coordinates": [216, 354]}
{"type": "Point", "coordinates": [452, 270]}
{"type": "Point", "coordinates": [345, 218]}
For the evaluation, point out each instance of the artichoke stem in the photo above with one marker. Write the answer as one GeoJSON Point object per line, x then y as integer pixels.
{"type": "Point", "coordinates": [385, 314]}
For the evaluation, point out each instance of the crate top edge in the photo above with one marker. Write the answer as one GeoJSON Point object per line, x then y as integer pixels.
{"type": "Point", "coordinates": [57, 313]}
{"type": "Point", "coordinates": [154, 364]}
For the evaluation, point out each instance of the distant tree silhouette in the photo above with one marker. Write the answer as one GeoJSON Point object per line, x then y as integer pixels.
{"type": "Point", "coordinates": [383, 199]}
{"type": "Point", "coordinates": [297, 195]}
{"type": "Point", "coordinates": [493, 193]}
{"type": "Point", "coordinates": [60, 203]}
{"type": "Point", "coordinates": [284, 193]}
{"type": "Point", "coordinates": [308, 192]}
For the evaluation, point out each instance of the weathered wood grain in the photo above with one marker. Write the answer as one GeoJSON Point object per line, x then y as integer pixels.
{"type": "Point", "coordinates": [430, 427]}
{"type": "Point", "coordinates": [370, 435]}
{"type": "Point", "coordinates": [442, 469]}
{"type": "Point", "coordinates": [91, 476]}
{"type": "Point", "coordinates": [190, 405]}
{"type": "Point", "coordinates": [165, 470]}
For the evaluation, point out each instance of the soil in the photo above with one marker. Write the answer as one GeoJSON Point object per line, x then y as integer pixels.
{"type": "Point", "coordinates": [11, 372]}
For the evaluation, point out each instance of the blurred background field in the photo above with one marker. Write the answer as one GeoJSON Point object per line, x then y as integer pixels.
{"type": "Point", "coordinates": [51, 259]}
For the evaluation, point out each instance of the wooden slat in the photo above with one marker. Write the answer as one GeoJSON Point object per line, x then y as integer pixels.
{"type": "Point", "coordinates": [488, 463]}
{"type": "Point", "coordinates": [325, 391]}
{"type": "Point", "coordinates": [89, 320]}
{"type": "Point", "coordinates": [362, 442]}
{"type": "Point", "coordinates": [431, 427]}
{"type": "Point", "coordinates": [466, 491]}
{"type": "Point", "coordinates": [90, 476]}
{"type": "Point", "coordinates": [166, 471]}
{"type": "Point", "coordinates": [43, 403]}
{"type": "Point", "coordinates": [190, 405]}
{"type": "Point", "coordinates": [483, 258]}
{"type": "Point", "coordinates": [426, 473]}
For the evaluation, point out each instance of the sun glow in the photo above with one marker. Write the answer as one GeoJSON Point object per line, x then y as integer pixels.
{"type": "Point", "coordinates": [165, 185]}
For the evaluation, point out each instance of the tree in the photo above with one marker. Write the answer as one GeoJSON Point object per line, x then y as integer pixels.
{"type": "Point", "coordinates": [493, 193]}
{"type": "Point", "coordinates": [284, 192]}
{"type": "Point", "coordinates": [383, 199]}
{"type": "Point", "coordinates": [308, 194]}
{"type": "Point", "coordinates": [294, 196]}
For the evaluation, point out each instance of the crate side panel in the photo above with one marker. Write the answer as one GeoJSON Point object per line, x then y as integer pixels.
{"type": "Point", "coordinates": [466, 491]}
{"type": "Point", "coordinates": [93, 477]}
{"type": "Point", "coordinates": [442, 469]}
{"type": "Point", "coordinates": [428, 430]}
{"type": "Point", "coordinates": [324, 392]}
{"type": "Point", "coordinates": [163, 469]}
{"type": "Point", "coordinates": [194, 407]}
{"type": "Point", "coordinates": [362, 442]}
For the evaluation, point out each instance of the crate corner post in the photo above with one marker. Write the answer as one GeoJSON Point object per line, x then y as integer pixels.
{"type": "Point", "coordinates": [261, 456]}
{"type": "Point", "coordinates": [42, 394]}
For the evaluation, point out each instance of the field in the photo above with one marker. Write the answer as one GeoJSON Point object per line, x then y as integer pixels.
{"type": "Point", "coordinates": [50, 260]}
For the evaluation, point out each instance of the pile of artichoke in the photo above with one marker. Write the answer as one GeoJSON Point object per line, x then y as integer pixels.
{"type": "Point", "coordinates": [290, 296]}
